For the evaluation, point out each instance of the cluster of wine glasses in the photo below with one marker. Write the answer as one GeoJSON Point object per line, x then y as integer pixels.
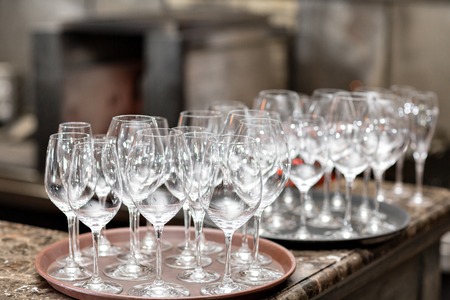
{"type": "Point", "coordinates": [230, 163]}
{"type": "Point", "coordinates": [365, 131]}
{"type": "Point", "coordinates": [155, 171]}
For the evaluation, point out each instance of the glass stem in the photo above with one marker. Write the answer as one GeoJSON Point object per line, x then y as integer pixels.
{"type": "Point", "coordinates": [227, 275]}
{"type": "Point", "coordinates": [95, 238]}
{"type": "Point", "coordinates": [187, 225]}
{"type": "Point", "coordinates": [257, 217]}
{"type": "Point", "coordinates": [365, 188]}
{"type": "Point", "coordinates": [158, 233]}
{"type": "Point", "coordinates": [302, 210]}
{"type": "Point", "coordinates": [419, 176]}
{"type": "Point", "coordinates": [399, 171]}
{"type": "Point", "coordinates": [326, 192]}
{"type": "Point", "coordinates": [348, 204]}
{"type": "Point", "coordinates": [244, 236]}
{"type": "Point", "coordinates": [76, 246]}
{"type": "Point", "coordinates": [134, 217]}
{"type": "Point", "coordinates": [198, 224]}
{"type": "Point", "coordinates": [71, 219]}
{"type": "Point", "coordinates": [337, 186]}
{"type": "Point", "coordinates": [378, 192]}
{"type": "Point", "coordinates": [366, 180]}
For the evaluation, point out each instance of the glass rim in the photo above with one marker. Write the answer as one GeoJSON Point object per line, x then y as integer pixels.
{"type": "Point", "coordinates": [80, 135]}
{"type": "Point", "coordinates": [269, 120]}
{"type": "Point", "coordinates": [158, 133]}
{"type": "Point", "coordinates": [201, 113]}
{"type": "Point", "coordinates": [244, 112]}
{"type": "Point", "coordinates": [220, 139]}
{"type": "Point", "coordinates": [75, 124]}
{"type": "Point", "coordinates": [133, 118]}
{"type": "Point", "coordinates": [276, 92]}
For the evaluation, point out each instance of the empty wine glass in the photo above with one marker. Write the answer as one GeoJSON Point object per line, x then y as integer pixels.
{"type": "Point", "coordinates": [210, 121]}
{"type": "Point", "coordinates": [226, 106]}
{"type": "Point", "coordinates": [234, 117]}
{"type": "Point", "coordinates": [230, 192]}
{"type": "Point", "coordinates": [148, 243]}
{"type": "Point", "coordinates": [307, 141]}
{"type": "Point", "coordinates": [353, 142]}
{"type": "Point", "coordinates": [102, 190]}
{"type": "Point", "coordinates": [364, 210]}
{"type": "Point", "coordinates": [285, 102]}
{"type": "Point", "coordinates": [320, 106]}
{"type": "Point", "coordinates": [403, 91]}
{"type": "Point", "coordinates": [159, 157]}
{"type": "Point", "coordinates": [275, 168]}
{"type": "Point", "coordinates": [122, 131]}
{"type": "Point", "coordinates": [393, 131]}
{"type": "Point", "coordinates": [187, 258]}
{"type": "Point", "coordinates": [83, 127]}
{"type": "Point", "coordinates": [424, 114]}
{"type": "Point", "coordinates": [95, 212]}
{"type": "Point", "coordinates": [243, 255]}
{"type": "Point", "coordinates": [60, 147]}
{"type": "Point", "coordinates": [337, 203]}
{"type": "Point", "coordinates": [197, 143]}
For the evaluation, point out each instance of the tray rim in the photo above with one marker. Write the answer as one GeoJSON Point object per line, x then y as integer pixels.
{"type": "Point", "coordinates": [266, 246]}
{"type": "Point", "coordinates": [364, 240]}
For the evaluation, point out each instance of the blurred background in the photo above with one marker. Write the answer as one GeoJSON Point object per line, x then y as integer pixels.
{"type": "Point", "coordinates": [88, 60]}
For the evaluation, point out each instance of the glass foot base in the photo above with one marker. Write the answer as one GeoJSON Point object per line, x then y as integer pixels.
{"type": "Point", "coordinates": [256, 276]}
{"type": "Point", "coordinates": [69, 273]}
{"type": "Point", "coordinates": [122, 271]}
{"type": "Point", "coordinates": [222, 288]}
{"type": "Point", "coordinates": [198, 275]}
{"type": "Point", "coordinates": [186, 261]}
{"type": "Point", "coordinates": [243, 258]}
{"type": "Point", "coordinates": [102, 286]}
{"type": "Point", "coordinates": [160, 289]}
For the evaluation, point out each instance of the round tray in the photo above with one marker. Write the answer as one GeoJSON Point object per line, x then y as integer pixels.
{"type": "Point", "coordinates": [283, 260]}
{"type": "Point", "coordinates": [396, 216]}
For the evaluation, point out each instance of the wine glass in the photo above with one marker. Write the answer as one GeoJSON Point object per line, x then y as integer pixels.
{"type": "Point", "coordinates": [230, 192]}
{"type": "Point", "coordinates": [187, 258]}
{"type": "Point", "coordinates": [285, 102]}
{"type": "Point", "coordinates": [102, 190]}
{"type": "Point", "coordinates": [226, 106]}
{"type": "Point", "coordinates": [210, 121]}
{"type": "Point", "coordinates": [353, 142]}
{"type": "Point", "coordinates": [95, 212]}
{"type": "Point", "coordinates": [148, 243]}
{"type": "Point", "coordinates": [59, 149]}
{"type": "Point", "coordinates": [243, 255]}
{"type": "Point", "coordinates": [83, 127]}
{"type": "Point", "coordinates": [403, 91]}
{"type": "Point", "coordinates": [159, 157]}
{"type": "Point", "coordinates": [363, 212]}
{"type": "Point", "coordinates": [197, 143]}
{"type": "Point", "coordinates": [320, 106]}
{"type": "Point", "coordinates": [393, 131]}
{"type": "Point", "coordinates": [234, 117]}
{"type": "Point", "coordinates": [337, 203]}
{"type": "Point", "coordinates": [122, 131]}
{"type": "Point", "coordinates": [308, 151]}
{"type": "Point", "coordinates": [275, 167]}
{"type": "Point", "coordinates": [424, 114]}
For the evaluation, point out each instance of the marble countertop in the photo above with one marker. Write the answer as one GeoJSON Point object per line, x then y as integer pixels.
{"type": "Point", "coordinates": [317, 270]}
